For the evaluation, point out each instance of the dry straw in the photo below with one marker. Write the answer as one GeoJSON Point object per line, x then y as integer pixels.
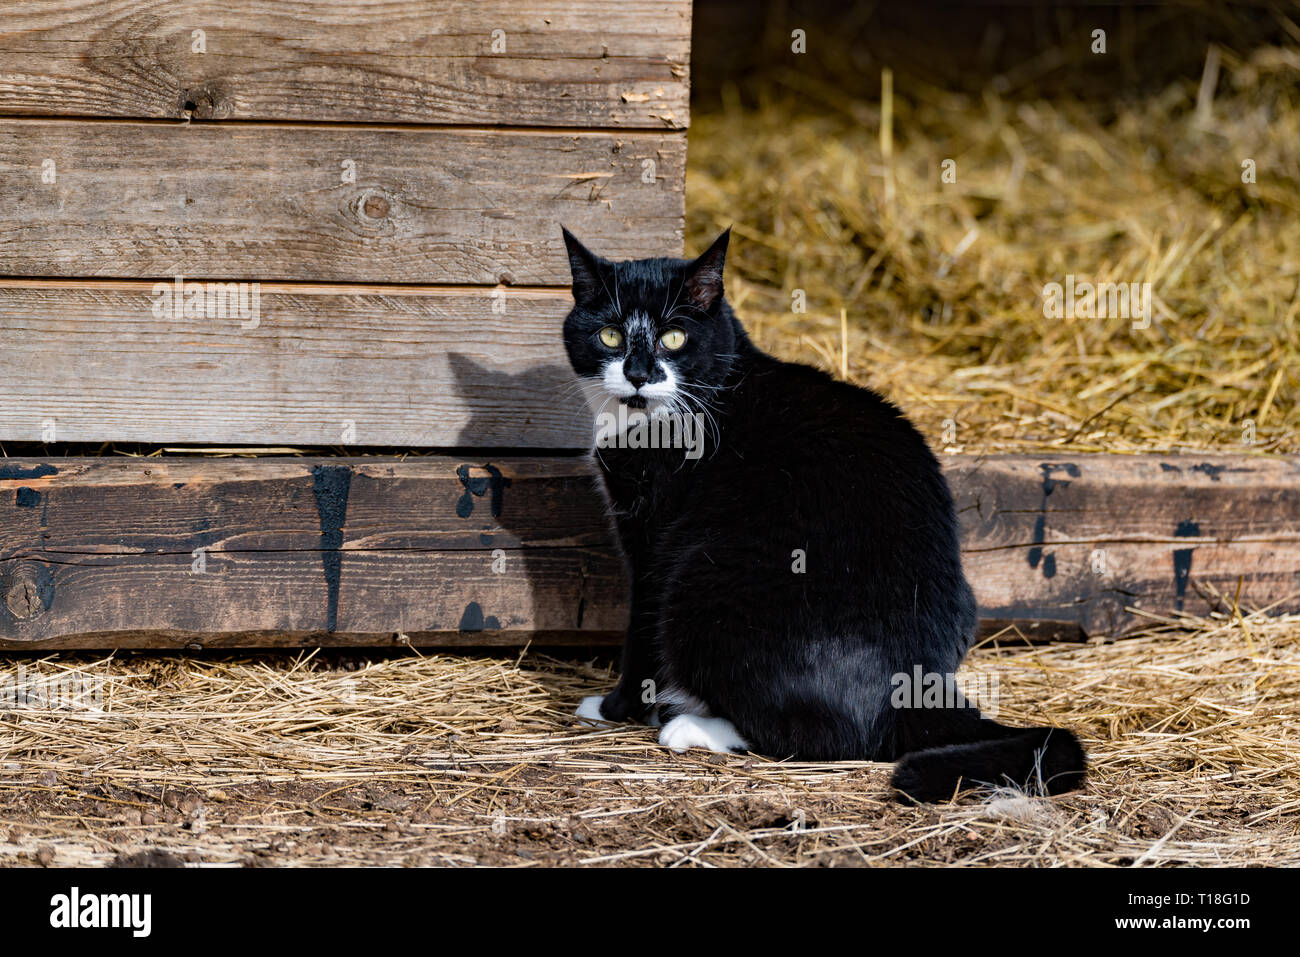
{"type": "Point", "coordinates": [942, 282]}
{"type": "Point", "coordinates": [458, 759]}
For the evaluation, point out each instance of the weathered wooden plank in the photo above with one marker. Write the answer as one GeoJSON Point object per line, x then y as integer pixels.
{"type": "Point", "coordinates": [173, 505]}
{"type": "Point", "coordinates": [1159, 579]}
{"type": "Point", "coordinates": [284, 598]}
{"type": "Point", "coordinates": [101, 552]}
{"type": "Point", "coordinates": [377, 366]}
{"type": "Point", "coordinates": [1125, 498]}
{"type": "Point", "coordinates": [266, 202]}
{"type": "Point", "coordinates": [1083, 538]}
{"type": "Point", "coordinates": [172, 552]}
{"type": "Point", "coordinates": [588, 63]}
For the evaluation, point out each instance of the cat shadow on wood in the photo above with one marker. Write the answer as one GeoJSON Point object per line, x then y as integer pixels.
{"type": "Point", "coordinates": [540, 526]}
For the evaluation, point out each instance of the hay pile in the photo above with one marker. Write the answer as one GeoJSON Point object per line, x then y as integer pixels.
{"type": "Point", "coordinates": [942, 283]}
{"type": "Point", "coordinates": [443, 759]}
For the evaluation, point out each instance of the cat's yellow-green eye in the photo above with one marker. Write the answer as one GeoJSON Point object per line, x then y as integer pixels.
{"type": "Point", "coordinates": [611, 337]}
{"type": "Point", "coordinates": [673, 339]}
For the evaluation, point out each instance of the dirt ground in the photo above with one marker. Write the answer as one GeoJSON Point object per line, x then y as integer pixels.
{"type": "Point", "coordinates": [462, 760]}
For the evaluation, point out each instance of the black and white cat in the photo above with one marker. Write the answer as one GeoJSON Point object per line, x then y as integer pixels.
{"type": "Point", "coordinates": [787, 580]}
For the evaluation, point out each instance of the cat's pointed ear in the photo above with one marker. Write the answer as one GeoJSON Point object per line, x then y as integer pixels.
{"type": "Point", "coordinates": [704, 275]}
{"type": "Point", "coordinates": [585, 266]}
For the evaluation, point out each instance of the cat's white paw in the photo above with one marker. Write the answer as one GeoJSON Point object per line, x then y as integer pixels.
{"type": "Point", "coordinates": [691, 731]}
{"type": "Point", "coordinates": [589, 710]}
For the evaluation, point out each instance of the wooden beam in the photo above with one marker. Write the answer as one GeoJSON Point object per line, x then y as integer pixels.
{"type": "Point", "coordinates": [168, 552]}
{"type": "Point", "coordinates": [143, 552]}
{"type": "Point", "coordinates": [588, 63]}
{"type": "Point", "coordinates": [264, 202]}
{"type": "Point", "coordinates": [322, 366]}
{"type": "Point", "coordinates": [1091, 538]}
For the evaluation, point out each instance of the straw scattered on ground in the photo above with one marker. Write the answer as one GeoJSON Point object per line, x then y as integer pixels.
{"type": "Point", "coordinates": [446, 759]}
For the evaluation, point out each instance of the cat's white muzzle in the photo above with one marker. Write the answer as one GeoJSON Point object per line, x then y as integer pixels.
{"type": "Point", "coordinates": [653, 394]}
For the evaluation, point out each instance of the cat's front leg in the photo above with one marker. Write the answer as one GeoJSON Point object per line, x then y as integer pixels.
{"type": "Point", "coordinates": [633, 698]}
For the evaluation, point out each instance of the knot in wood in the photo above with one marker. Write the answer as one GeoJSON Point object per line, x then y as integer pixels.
{"type": "Point", "coordinates": [374, 206]}
{"type": "Point", "coordinates": [23, 592]}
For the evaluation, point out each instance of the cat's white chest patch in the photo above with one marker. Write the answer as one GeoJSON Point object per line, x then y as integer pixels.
{"type": "Point", "coordinates": [692, 731]}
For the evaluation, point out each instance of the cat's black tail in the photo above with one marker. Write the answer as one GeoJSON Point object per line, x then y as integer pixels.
{"type": "Point", "coordinates": [941, 751]}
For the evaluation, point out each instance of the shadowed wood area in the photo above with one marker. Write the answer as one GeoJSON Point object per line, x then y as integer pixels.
{"type": "Point", "coordinates": [334, 204]}
{"type": "Point", "coordinates": [167, 552]}
{"type": "Point", "coordinates": [586, 63]}
{"type": "Point", "coordinates": [316, 365]}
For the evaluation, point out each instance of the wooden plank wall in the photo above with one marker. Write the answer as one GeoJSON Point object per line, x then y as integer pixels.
{"type": "Point", "coordinates": [583, 63]}
{"type": "Point", "coordinates": [386, 180]}
{"type": "Point", "coordinates": [392, 174]}
{"type": "Point", "coordinates": [175, 552]}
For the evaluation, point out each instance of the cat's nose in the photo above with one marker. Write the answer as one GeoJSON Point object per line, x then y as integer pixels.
{"type": "Point", "coordinates": [637, 368]}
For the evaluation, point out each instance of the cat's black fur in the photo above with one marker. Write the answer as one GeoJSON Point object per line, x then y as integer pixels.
{"type": "Point", "coordinates": [800, 663]}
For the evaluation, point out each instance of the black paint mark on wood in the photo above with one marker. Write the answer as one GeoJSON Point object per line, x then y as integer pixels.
{"type": "Point", "coordinates": [473, 620]}
{"type": "Point", "coordinates": [1214, 471]}
{"type": "Point", "coordinates": [26, 497]}
{"type": "Point", "coordinates": [1183, 561]}
{"type": "Point", "coordinates": [331, 483]}
{"type": "Point", "coordinates": [1166, 467]}
{"type": "Point", "coordinates": [494, 482]}
{"type": "Point", "coordinates": [18, 472]}
{"type": "Point", "coordinates": [1035, 555]}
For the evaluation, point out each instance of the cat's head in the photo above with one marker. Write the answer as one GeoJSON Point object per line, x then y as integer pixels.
{"type": "Point", "coordinates": [650, 333]}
